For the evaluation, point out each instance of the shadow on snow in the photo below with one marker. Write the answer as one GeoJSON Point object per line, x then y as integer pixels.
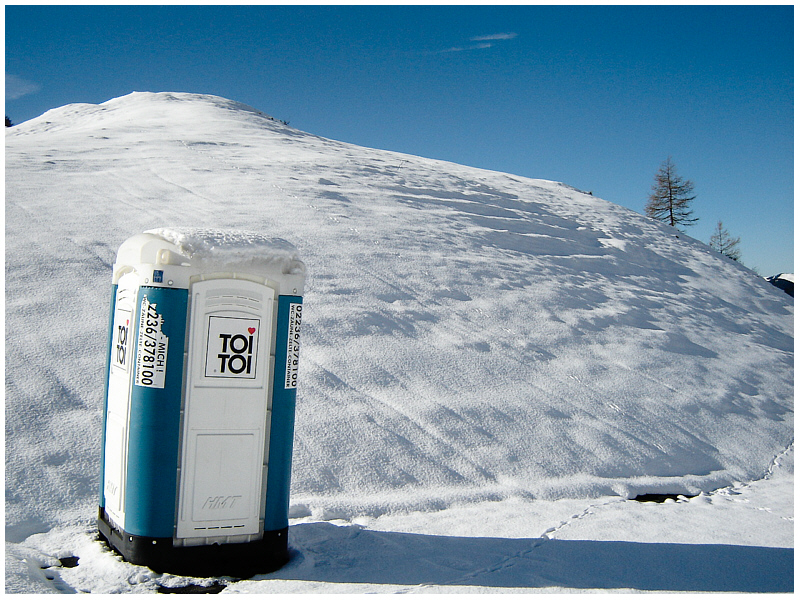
{"type": "Point", "coordinates": [351, 554]}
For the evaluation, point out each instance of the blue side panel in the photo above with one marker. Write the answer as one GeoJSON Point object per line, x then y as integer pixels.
{"type": "Point", "coordinates": [284, 396]}
{"type": "Point", "coordinates": [109, 342]}
{"type": "Point", "coordinates": [154, 433]}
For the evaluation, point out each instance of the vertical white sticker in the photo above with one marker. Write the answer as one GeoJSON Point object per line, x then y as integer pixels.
{"type": "Point", "coordinates": [293, 345]}
{"type": "Point", "coordinates": [232, 347]}
{"type": "Point", "coordinates": [120, 348]}
{"type": "Point", "coordinates": [152, 345]}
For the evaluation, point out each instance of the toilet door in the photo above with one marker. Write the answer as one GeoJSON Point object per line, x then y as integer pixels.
{"type": "Point", "coordinates": [227, 409]}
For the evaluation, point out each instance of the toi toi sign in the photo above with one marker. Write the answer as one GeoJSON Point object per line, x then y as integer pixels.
{"type": "Point", "coordinates": [232, 348]}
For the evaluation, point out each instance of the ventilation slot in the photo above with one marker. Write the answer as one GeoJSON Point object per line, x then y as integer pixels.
{"type": "Point", "coordinates": [234, 299]}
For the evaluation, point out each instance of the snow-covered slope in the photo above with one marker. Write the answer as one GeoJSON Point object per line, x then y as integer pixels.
{"type": "Point", "coordinates": [470, 335]}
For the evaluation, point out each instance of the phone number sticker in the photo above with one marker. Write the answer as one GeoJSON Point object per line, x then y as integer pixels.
{"type": "Point", "coordinates": [293, 345]}
{"type": "Point", "coordinates": [151, 348]}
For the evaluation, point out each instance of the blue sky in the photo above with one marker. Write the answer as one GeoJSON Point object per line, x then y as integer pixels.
{"type": "Point", "coordinates": [595, 97]}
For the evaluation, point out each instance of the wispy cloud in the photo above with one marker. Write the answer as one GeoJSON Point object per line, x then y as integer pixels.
{"type": "Point", "coordinates": [463, 48]}
{"type": "Point", "coordinates": [17, 87]}
{"type": "Point", "coordinates": [484, 42]}
{"type": "Point", "coordinates": [494, 36]}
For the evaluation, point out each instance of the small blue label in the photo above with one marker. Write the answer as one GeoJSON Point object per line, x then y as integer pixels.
{"type": "Point", "coordinates": [158, 276]}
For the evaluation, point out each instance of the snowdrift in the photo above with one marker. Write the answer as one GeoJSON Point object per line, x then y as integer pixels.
{"type": "Point", "coordinates": [470, 335]}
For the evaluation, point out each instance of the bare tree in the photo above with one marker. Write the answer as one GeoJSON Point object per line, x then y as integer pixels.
{"type": "Point", "coordinates": [723, 242]}
{"type": "Point", "coordinates": [671, 198]}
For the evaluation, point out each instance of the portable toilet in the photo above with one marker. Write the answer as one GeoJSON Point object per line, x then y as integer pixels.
{"type": "Point", "coordinates": [198, 423]}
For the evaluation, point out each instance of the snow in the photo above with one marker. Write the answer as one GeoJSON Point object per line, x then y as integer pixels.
{"type": "Point", "coordinates": [491, 367]}
{"type": "Point", "coordinates": [786, 276]}
{"type": "Point", "coordinates": [210, 249]}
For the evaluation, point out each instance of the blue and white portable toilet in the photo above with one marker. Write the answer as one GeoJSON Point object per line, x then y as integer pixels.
{"type": "Point", "coordinates": [200, 401]}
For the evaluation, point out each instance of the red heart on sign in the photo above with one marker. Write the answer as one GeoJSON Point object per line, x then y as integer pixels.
{"type": "Point", "coordinates": [251, 330]}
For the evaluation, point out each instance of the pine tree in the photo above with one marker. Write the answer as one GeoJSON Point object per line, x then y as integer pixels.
{"type": "Point", "coordinates": [722, 242]}
{"type": "Point", "coordinates": [671, 198]}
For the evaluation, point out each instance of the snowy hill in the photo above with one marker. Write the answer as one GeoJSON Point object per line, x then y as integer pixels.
{"type": "Point", "coordinates": [470, 336]}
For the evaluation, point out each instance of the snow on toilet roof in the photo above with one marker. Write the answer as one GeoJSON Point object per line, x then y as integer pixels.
{"type": "Point", "coordinates": [226, 246]}
{"type": "Point", "coordinates": [213, 249]}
